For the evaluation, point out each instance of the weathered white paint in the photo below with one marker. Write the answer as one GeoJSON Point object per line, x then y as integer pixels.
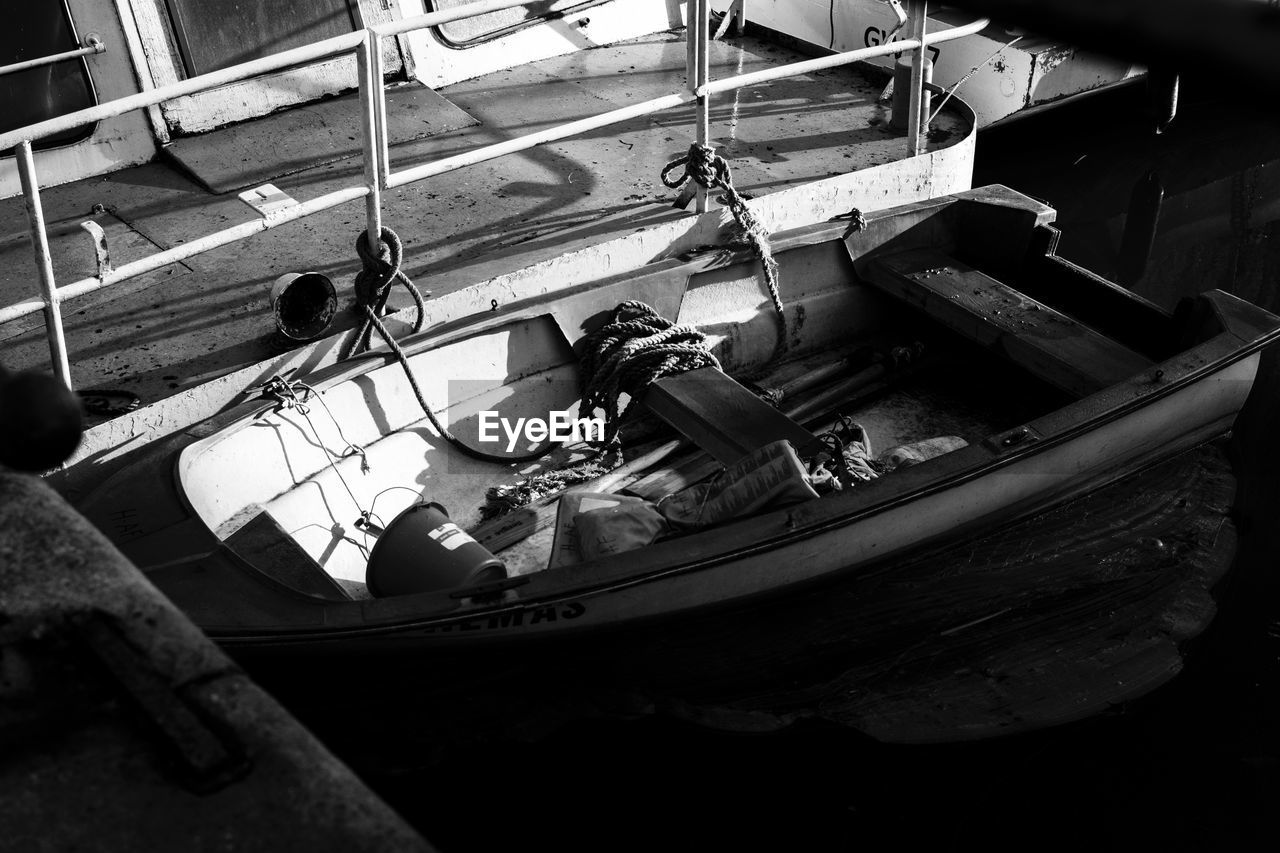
{"type": "Point", "coordinates": [142, 72]}
{"type": "Point", "coordinates": [116, 143]}
{"type": "Point", "coordinates": [44, 262]}
{"type": "Point", "coordinates": [1035, 72]}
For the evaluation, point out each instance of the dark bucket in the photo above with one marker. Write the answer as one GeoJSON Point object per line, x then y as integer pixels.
{"type": "Point", "coordinates": [304, 305]}
{"type": "Point", "coordinates": [421, 550]}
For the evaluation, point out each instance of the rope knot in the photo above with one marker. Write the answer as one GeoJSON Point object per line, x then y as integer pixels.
{"type": "Point", "coordinates": [373, 287]}
{"type": "Point", "coordinates": [285, 393]}
{"type": "Point", "coordinates": [708, 169]}
{"type": "Point", "coordinates": [373, 282]}
{"type": "Point", "coordinates": [702, 165]}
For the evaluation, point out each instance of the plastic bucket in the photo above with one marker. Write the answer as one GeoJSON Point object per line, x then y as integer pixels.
{"type": "Point", "coordinates": [304, 304]}
{"type": "Point", "coordinates": [421, 550]}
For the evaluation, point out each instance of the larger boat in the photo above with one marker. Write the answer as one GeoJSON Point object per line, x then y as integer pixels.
{"type": "Point", "coordinates": [1003, 73]}
{"type": "Point", "coordinates": [592, 100]}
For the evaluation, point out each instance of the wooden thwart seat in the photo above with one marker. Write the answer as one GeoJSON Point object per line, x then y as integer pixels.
{"type": "Point", "coordinates": [272, 551]}
{"type": "Point", "coordinates": [1051, 345]}
{"type": "Point", "coordinates": [721, 416]}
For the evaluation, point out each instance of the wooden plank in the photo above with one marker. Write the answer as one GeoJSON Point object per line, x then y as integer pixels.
{"type": "Point", "coordinates": [1051, 345]}
{"type": "Point", "coordinates": [1103, 305]}
{"type": "Point", "coordinates": [272, 551]}
{"type": "Point", "coordinates": [722, 417]}
{"type": "Point", "coordinates": [696, 467]}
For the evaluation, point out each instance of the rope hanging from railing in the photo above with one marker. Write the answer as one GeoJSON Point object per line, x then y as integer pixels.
{"type": "Point", "coordinates": [637, 347]}
{"type": "Point", "coordinates": [373, 286]}
{"type": "Point", "coordinates": [708, 169]}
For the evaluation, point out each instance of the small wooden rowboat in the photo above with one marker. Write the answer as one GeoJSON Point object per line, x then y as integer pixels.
{"type": "Point", "coordinates": [260, 522]}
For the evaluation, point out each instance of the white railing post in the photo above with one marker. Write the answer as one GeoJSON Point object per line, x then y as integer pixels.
{"type": "Point", "coordinates": [371, 141]}
{"type": "Point", "coordinates": [697, 72]}
{"type": "Point", "coordinates": [918, 10]}
{"type": "Point", "coordinates": [44, 262]}
{"type": "Point", "coordinates": [377, 70]}
{"type": "Point", "coordinates": [703, 77]}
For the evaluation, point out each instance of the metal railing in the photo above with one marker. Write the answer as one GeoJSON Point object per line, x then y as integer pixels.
{"type": "Point", "coordinates": [92, 45]}
{"type": "Point", "coordinates": [378, 176]}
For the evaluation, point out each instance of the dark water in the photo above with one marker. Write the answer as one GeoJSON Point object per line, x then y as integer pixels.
{"type": "Point", "coordinates": [1190, 767]}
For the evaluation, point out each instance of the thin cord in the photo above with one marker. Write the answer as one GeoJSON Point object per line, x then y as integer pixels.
{"type": "Point", "coordinates": [352, 449]}
{"type": "Point", "coordinates": [972, 71]}
{"type": "Point", "coordinates": [286, 393]}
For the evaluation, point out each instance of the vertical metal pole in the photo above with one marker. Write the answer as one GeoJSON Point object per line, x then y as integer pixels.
{"type": "Point", "coordinates": [696, 72]}
{"type": "Point", "coordinates": [918, 10]}
{"type": "Point", "coordinates": [44, 262]}
{"type": "Point", "coordinates": [691, 44]}
{"type": "Point", "coordinates": [370, 94]}
{"type": "Point", "coordinates": [702, 76]}
{"type": "Point", "coordinates": [377, 70]}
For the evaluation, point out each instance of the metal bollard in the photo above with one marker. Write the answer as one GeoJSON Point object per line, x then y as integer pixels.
{"type": "Point", "coordinates": [902, 94]}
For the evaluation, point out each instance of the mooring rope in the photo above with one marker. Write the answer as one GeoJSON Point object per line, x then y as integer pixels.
{"type": "Point", "coordinates": [708, 169]}
{"type": "Point", "coordinates": [637, 347]}
{"type": "Point", "coordinates": [373, 286]}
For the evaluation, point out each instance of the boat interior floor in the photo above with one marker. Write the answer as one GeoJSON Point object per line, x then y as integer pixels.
{"type": "Point", "coordinates": [213, 316]}
{"type": "Point", "coordinates": [971, 397]}
{"type": "Point", "coordinates": [962, 390]}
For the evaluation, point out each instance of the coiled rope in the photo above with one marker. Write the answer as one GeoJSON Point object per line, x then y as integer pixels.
{"type": "Point", "coordinates": [637, 347]}
{"type": "Point", "coordinates": [708, 169]}
{"type": "Point", "coordinates": [373, 286]}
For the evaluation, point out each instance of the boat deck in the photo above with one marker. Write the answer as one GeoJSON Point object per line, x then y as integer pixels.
{"type": "Point", "coordinates": [192, 322]}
